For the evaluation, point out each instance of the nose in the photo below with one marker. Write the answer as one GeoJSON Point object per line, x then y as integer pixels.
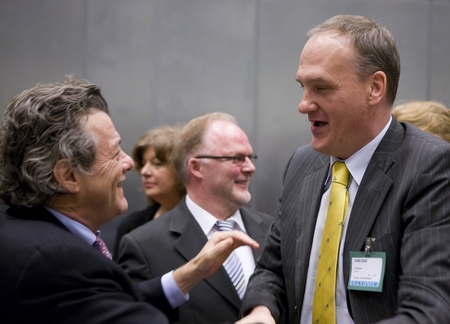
{"type": "Point", "coordinates": [146, 169]}
{"type": "Point", "coordinates": [306, 105]}
{"type": "Point", "coordinates": [248, 166]}
{"type": "Point", "coordinates": [128, 163]}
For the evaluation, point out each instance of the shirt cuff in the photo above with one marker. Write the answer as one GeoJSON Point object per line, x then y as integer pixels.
{"type": "Point", "coordinates": [174, 295]}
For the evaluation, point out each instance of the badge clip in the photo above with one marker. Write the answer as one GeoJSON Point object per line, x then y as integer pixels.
{"type": "Point", "coordinates": [368, 245]}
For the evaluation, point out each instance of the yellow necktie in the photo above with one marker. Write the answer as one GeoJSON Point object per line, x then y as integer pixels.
{"type": "Point", "coordinates": [324, 305]}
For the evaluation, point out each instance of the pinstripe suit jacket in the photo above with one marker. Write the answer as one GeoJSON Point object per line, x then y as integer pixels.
{"type": "Point", "coordinates": [403, 201]}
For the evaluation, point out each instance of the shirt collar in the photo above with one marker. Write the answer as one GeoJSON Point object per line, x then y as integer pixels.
{"type": "Point", "coordinates": [358, 162]}
{"type": "Point", "coordinates": [207, 220]}
{"type": "Point", "coordinates": [75, 227]}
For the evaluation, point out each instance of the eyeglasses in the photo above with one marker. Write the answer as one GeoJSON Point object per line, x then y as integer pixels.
{"type": "Point", "coordinates": [238, 159]}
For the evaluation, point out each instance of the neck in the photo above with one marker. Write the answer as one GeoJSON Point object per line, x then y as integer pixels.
{"type": "Point", "coordinates": [65, 205]}
{"type": "Point", "coordinates": [214, 207]}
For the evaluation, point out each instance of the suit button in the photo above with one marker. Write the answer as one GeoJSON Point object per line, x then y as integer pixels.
{"type": "Point", "coordinates": [296, 309]}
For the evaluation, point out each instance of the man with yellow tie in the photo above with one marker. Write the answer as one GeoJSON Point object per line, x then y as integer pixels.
{"type": "Point", "coordinates": [362, 228]}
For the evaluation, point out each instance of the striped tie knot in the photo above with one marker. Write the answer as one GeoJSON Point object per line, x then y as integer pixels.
{"type": "Point", "coordinates": [225, 225]}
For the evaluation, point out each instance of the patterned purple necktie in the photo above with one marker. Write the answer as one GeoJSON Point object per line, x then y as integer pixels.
{"type": "Point", "coordinates": [100, 245]}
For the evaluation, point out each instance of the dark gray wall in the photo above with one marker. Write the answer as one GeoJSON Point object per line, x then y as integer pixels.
{"type": "Point", "coordinates": [166, 61]}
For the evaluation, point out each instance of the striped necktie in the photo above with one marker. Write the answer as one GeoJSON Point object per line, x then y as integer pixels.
{"type": "Point", "coordinates": [233, 265]}
{"type": "Point", "coordinates": [324, 304]}
{"type": "Point", "coordinates": [100, 245]}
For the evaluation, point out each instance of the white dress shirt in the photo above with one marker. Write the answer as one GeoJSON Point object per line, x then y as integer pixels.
{"type": "Point", "coordinates": [207, 221]}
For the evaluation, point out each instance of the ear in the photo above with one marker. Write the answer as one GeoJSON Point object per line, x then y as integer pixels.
{"type": "Point", "coordinates": [378, 84]}
{"type": "Point", "coordinates": [66, 176]}
{"type": "Point", "coordinates": [195, 168]}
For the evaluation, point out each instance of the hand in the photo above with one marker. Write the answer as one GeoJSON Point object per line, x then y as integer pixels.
{"type": "Point", "coordinates": [210, 258]}
{"type": "Point", "coordinates": [259, 315]}
{"type": "Point", "coordinates": [218, 249]}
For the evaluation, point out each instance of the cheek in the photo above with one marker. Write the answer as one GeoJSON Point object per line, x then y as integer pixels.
{"type": "Point", "coordinates": [235, 173]}
{"type": "Point", "coordinates": [164, 175]}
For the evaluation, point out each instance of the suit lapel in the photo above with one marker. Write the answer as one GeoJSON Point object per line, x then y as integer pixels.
{"type": "Point", "coordinates": [372, 192]}
{"type": "Point", "coordinates": [254, 228]}
{"type": "Point", "coordinates": [191, 240]}
{"type": "Point", "coordinates": [309, 188]}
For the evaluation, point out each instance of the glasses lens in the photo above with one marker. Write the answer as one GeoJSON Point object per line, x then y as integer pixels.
{"type": "Point", "coordinates": [240, 158]}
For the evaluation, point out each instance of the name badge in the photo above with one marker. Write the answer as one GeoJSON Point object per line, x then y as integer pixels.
{"type": "Point", "coordinates": [367, 271]}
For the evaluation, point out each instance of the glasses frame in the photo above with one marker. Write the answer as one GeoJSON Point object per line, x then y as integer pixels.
{"type": "Point", "coordinates": [237, 159]}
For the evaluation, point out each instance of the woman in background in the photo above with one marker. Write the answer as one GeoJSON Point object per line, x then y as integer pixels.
{"type": "Point", "coordinates": [152, 155]}
{"type": "Point", "coordinates": [430, 116]}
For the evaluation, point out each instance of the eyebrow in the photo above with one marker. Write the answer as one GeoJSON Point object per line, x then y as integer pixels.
{"type": "Point", "coordinates": [313, 80]}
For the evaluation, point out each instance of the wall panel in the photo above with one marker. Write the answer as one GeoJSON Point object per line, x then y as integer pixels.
{"type": "Point", "coordinates": [167, 61]}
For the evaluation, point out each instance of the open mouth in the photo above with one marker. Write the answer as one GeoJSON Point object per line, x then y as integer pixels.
{"type": "Point", "coordinates": [319, 124]}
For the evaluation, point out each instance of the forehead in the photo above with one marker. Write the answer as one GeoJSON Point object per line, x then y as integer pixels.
{"type": "Point", "coordinates": [101, 125]}
{"type": "Point", "coordinates": [325, 55]}
{"type": "Point", "coordinates": [226, 136]}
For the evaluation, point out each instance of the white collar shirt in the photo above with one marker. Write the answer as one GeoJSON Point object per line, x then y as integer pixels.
{"type": "Point", "coordinates": [207, 221]}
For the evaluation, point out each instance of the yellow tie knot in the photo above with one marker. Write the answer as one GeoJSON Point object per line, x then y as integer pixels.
{"type": "Point", "coordinates": [340, 173]}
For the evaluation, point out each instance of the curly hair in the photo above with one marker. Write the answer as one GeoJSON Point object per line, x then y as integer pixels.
{"type": "Point", "coordinates": [376, 49]}
{"type": "Point", "coordinates": [41, 126]}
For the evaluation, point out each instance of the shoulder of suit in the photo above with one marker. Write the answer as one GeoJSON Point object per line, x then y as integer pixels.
{"type": "Point", "coordinates": [246, 211]}
{"type": "Point", "coordinates": [415, 135]}
{"type": "Point", "coordinates": [153, 228]}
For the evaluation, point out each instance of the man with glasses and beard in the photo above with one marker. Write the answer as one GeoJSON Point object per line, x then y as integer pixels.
{"type": "Point", "coordinates": [214, 159]}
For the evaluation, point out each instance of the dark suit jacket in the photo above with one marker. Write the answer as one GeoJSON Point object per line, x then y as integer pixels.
{"type": "Point", "coordinates": [403, 202]}
{"type": "Point", "coordinates": [131, 222]}
{"type": "Point", "coordinates": [3, 207]}
{"type": "Point", "coordinates": [171, 240]}
{"type": "Point", "coordinates": [49, 275]}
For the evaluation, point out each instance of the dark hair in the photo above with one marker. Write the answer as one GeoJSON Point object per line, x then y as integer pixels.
{"type": "Point", "coordinates": [41, 126]}
{"type": "Point", "coordinates": [162, 140]}
{"type": "Point", "coordinates": [376, 49]}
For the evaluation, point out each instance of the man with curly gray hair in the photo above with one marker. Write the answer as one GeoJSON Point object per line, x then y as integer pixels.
{"type": "Point", "coordinates": [61, 173]}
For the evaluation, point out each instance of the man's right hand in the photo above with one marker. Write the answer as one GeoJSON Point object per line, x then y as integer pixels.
{"type": "Point", "coordinates": [210, 258]}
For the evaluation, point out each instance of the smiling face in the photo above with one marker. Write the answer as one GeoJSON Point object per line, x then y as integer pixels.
{"type": "Point", "coordinates": [225, 184]}
{"type": "Point", "coordinates": [335, 99]}
{"type": "Point", "coordinates": [101, 195]}
{"type": "Point", "coordinates": [159, 179]}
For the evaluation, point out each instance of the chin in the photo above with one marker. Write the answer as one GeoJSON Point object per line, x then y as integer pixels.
{"type": "Point", "coordinates": [319, 148]}
{"type": "Point", "coordinates": [244, 199]}
{"type": "Point", "coordinates": [122, 208]}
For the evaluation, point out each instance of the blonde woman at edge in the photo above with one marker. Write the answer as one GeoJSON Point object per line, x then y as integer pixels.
{"type": "Point", "coordinates": [430, 116]}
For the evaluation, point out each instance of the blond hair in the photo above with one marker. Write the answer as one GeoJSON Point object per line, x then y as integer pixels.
{"type": "Point", "coordinates": [430, 116]}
